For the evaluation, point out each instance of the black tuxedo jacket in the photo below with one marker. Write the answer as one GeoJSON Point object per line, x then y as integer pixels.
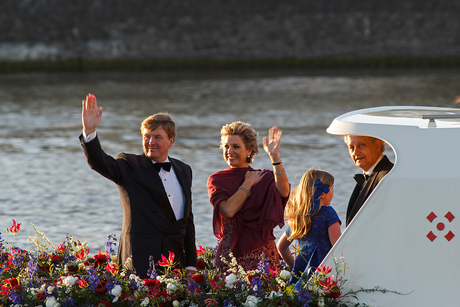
{"type": "Point", "coordinates": [149, 226]}
{"type": "Point", "coordinates": [359, 196]}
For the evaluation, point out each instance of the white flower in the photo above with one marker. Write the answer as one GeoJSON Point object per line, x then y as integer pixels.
{"type": "Point", "coordinates": [251, 301]}
{"type": "Point", "coordinates": [171, 288]}
{"type": "Point", "coordinates": [285, 274]}
{"type": "Point", "coordinates": [50, 289]}
{"type": "Point", "coordinates": [51, 301]}
{"type": "Point", "coordinates": [69, 281]}
{"type": "Point", "coordinates": [116, 291]}
{"type": "Point", "coordinates": [274, 295]}
{"type": "Point", "coordinates": [230, 280]}
{"type": "Point", "coordinates": [176, 304]}
{"type": "Point", "coordinates": [145, 302]}
{"type": "Point", "coordinates": [321, 302]}
{"type": "Point", "coordinates": [34, 291]}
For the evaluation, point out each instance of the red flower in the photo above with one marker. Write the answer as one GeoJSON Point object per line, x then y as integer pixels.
{"type": "Point", "coordinates": [101, 288]}
{"type": "Point", "coordinates": [41, 296]}
{"type": "Point", "coordinates": [44, 267]}
{"type": "Point", "coordinates": [82, 253]}
{"type": "Point", "coordinates": [328, 283]}
{"type": "Point", "coordinates": [16, 227]}
{"type": "Point", "coordinates": [62, 248]}
{"type": "Point", "coordinates": [56, 259]}
{"type": "Point", "coordinates": [334, 294]}
{"type": "Point", "coordinates": [167, 262]}
{"type": "Point", "coordinates": [82, 283]}
{"type": "Point", "coordinates": [100, 259]}
{"type": "Point", "coordinates": [200, 250]}
{"type": "Point", "coordinates": [200, 264]}
{"type": "Point", "coordinates": [251, 276]}
{"type": "Point", "coordinates": [216, 283]}
{"type": "Point", "coordinates": [9, 285]}
{"type": "Point", "coordinates": [324, 269]}
{"type": "Point", "coordinates": [152, 283]}
{"type": "Point", "coordinates": [72, 268]}
{"type": "Point", "coordinates": [103, 304]}
{"type": "Point", "coordinates": [112, 268]}
{"type": "Point", "coordinates": [198, 278]}
{"type": "Point", "coordinates": [211, 302]}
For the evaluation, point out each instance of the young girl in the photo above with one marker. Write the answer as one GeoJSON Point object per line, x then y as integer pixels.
{"type": "Point", "coordinates": [311, 221]}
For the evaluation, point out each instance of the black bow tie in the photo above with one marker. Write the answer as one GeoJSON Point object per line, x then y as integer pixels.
{"type": "Point", "coordinates": [165, 165]}
{"type": "Point", "coordinates": [361, 178]}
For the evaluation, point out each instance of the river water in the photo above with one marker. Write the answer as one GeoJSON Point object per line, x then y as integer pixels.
{"type": "Point", "coordinates": [45, 179]}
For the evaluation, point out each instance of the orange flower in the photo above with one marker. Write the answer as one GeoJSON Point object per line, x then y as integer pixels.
{"type": "Point", "coordinates": [82, 283]}
{"type": "Point", "coordinates": [167, 262]}
{"type": "Point", "coordinates": [82, 253]}
{"type": "Point", "coordinates": [324, 269]}
{"type": "Point", "coordinates": [112, 268]}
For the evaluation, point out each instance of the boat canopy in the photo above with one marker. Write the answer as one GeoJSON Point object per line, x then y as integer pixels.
{"type": "Point", "coordinates": [406, 236]}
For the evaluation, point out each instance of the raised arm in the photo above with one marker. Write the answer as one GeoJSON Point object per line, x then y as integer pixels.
{"type": "Point", "coordinates": [272, 146]}
{"type": "Point", "coordinates": [90, 115]}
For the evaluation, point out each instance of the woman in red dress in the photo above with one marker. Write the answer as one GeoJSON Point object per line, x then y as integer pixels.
{"type": "Point", "coordinates": [248, 203]}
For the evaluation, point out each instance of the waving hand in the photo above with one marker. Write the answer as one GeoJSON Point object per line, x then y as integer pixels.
{"type": "Point", "coordinates": [90, 115]}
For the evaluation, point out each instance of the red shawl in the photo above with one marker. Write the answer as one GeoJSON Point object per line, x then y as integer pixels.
{"type": "Point", "coordinates": [262, 211]}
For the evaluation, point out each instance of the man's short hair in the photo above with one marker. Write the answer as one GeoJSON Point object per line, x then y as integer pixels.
{"type": "Point", "coordinates": [371, 138]}
{"type": "Point", "coordinates": [162, 120]}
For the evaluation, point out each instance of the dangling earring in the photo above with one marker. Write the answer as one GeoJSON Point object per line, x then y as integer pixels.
{"type": "Point", "coordinates": [248, 158]}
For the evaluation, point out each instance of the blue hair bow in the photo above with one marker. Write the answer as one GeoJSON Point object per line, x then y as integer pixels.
{"type": "Point", "coordinates": [320, 188]}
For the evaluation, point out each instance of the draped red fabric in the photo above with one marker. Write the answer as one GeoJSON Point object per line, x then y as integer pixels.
{"type": "Point", "coordinates": [262, 211]}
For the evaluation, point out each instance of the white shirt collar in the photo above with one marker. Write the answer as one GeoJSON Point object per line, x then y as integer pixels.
{"type": "Point", "coordinates": [369, 171]}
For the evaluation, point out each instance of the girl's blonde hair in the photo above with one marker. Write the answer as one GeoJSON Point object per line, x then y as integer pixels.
{"type": "Point", "coordinates": [300, 201]}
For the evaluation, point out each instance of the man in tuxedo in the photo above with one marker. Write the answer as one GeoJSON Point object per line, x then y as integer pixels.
{"type": "Point", "coordinates": [367, 154]}
{"type": "Point", "coordinates": [155, 192]}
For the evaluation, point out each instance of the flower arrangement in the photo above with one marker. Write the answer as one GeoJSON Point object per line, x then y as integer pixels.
{"type": "Point", "coordinates": [67, 276]}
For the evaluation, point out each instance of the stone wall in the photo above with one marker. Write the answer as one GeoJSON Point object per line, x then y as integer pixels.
{"type": "Point", "coordinates": [151, 29]}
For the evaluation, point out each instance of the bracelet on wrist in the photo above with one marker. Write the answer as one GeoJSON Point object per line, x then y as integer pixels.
{"type": "Point", "coordinates": [277, 163]}
{"type": "Point", "coordinates": [245, 189]}
{"type": "Point", "coordinates": [280, 173]}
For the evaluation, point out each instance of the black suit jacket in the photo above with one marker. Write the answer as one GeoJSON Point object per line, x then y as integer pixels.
{"type": "Point", "coordinates": [359, 196]}
{"type": "Point", "coordinates": [149, 226]}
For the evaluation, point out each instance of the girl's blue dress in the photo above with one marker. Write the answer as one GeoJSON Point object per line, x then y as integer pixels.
{"type": "Point", "coordinates": [315, 245]}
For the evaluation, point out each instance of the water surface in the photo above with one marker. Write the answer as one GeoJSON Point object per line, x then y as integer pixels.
{"type": "Point", "coordinates": [45, 178]}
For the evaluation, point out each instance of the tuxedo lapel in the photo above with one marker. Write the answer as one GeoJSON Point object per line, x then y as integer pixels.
{"type": "Point", "coordinates": [359, 195]}
{"type": "Point", "coordinates": [156, 187]}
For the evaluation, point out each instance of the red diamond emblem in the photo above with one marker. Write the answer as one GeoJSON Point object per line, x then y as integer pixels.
{"type": "Point", "coordinates": [431, 236]}
{"type": "Point", "coordinates": [431, 217]}
{"type": "Point", "coordinates": [449, 235]}
{"type": "Point", "coordinates": [449, 216]}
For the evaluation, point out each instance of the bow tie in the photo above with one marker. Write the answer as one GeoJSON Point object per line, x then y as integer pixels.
{"type": "Point", "coordinates": [165, 165]}
{"type": "Point", "coordinates": [361, 178]}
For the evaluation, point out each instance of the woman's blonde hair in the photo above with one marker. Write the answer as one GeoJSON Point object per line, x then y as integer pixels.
{"type": "Point", "coordinates": [248, 136]}
{"type": "Point", "coordinates": [300, 201]}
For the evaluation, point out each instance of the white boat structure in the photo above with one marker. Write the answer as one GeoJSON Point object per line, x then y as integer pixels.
{"type": "Point", "coordinates": [406, 237]}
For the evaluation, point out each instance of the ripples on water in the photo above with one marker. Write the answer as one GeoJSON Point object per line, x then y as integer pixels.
{"type": "Point", "coordinates": [45, 178]}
